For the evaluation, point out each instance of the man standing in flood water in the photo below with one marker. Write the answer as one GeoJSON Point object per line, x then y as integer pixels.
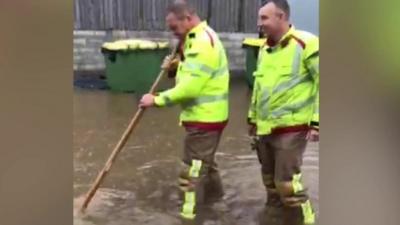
{"type": "Point", "coordinates": [202, 83]}
{"type": "Point", "coordinates": [284, 112]}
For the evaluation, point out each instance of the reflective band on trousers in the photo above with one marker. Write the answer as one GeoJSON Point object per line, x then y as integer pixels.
{"type": "Point", "coordinates": [195, 168]}
{"type": "Point", "coordinates": [205, 99]}
{"type": "Point", "coordinates": [296, 183]}
{"type": "Point", "coordinates": [188, 206]}
{"type": "Point", "coordinates": [308, 212]}
{"type": "Point", "coordinates": [291, 108]}
{"type": "Point", "coordinates": [190, 196]}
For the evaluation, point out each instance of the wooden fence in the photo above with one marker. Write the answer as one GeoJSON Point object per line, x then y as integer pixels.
{"type": "Point", "coordinates": [222, 15]}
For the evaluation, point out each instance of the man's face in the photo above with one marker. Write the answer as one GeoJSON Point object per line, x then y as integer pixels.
{"type": "Point", "coordinates": [270, 19]}
{"type": "Point", "coordinates": [178, 26]}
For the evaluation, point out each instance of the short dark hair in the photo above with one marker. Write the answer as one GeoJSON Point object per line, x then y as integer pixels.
{"type": "Point", "coordinates": [281, 4]}
{"type": "Point", "coordinates": [180, 7]}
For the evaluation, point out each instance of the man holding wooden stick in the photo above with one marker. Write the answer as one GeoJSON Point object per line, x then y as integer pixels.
{"type": "Point", "coordinates": [202, 85]}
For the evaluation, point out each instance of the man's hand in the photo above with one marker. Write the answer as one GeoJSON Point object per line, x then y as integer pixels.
{"type": "Point", "coordinates": [147, 101]}
{"type": "Point", "coordinates": [313, 135]}
{"type": "Point", "coordinates": [170, 63]}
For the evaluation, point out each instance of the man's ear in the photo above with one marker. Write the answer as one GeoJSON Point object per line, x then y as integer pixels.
{"type": "Point", "coordinates": [188, 17]}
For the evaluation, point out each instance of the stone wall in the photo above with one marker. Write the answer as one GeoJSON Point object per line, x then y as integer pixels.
{"type": "Point", "coordinates": [87, 45]}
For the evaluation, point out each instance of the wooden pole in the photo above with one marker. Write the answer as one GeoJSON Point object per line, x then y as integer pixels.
{"type": "Point", "coordinates": [133, 123]}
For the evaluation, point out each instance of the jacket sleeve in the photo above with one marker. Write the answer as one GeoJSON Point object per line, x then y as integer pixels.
{"type": "Point", "coordinates": [252, 113]}
{"type": "Point", "coordinates": [196, 71]}
{"type": "Point", "coordinates": [312, 64]}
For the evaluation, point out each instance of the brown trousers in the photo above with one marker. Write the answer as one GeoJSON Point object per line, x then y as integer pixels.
{"type": "Point", "coordinates": [199, 177]}
{"type": "Point", "coordinates": [281, 157]}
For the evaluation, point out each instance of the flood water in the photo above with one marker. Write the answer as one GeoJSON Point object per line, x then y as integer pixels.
{"type": "Point", "coordinates": [141, 188]}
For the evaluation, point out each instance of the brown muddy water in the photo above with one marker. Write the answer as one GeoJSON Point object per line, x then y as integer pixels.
{"type": "Point", "coordinates": [141, 188]}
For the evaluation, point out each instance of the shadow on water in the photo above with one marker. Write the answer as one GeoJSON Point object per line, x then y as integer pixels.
{"type": "Point", "coordinates": [141, 188]}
